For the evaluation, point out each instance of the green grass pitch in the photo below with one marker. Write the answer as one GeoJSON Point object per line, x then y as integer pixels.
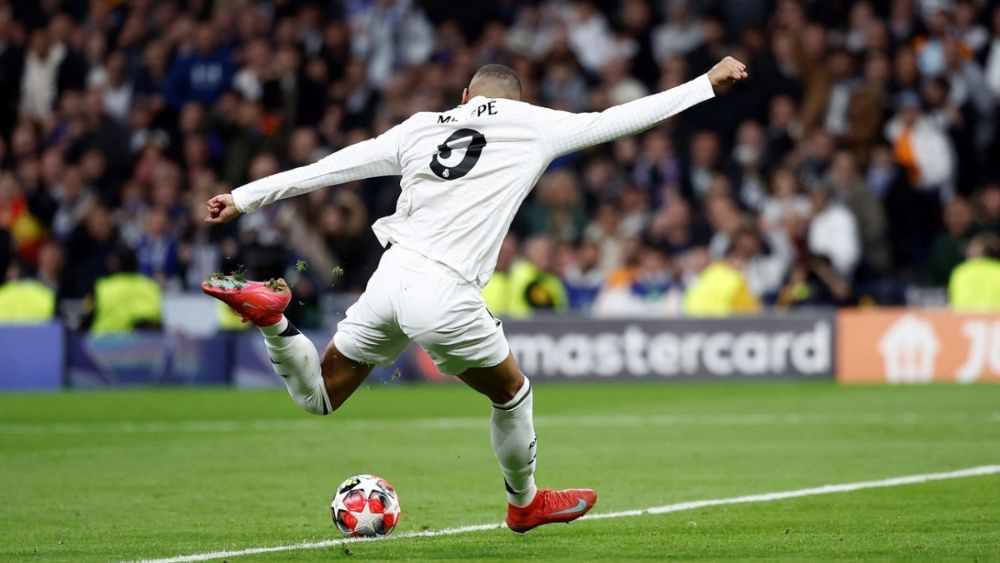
{"type": "Point", "coordinates": [143, 474]}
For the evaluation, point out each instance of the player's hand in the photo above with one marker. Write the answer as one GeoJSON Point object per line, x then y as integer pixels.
{"type": "Point", "coordinates": [221, 209]}
{"type": "Point", "coordinates": [726, 72]}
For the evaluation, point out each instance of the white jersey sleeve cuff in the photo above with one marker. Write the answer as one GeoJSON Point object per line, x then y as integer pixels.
{"type": "Point", "coordinates": [242, 202]}
{"type": "Point", "coordinates": [703, 88]}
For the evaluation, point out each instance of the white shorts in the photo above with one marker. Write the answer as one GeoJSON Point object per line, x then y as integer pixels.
{"type": "Point", "coordinates": [411, 297]}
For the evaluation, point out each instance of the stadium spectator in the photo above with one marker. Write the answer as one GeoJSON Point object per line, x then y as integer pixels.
{"type": "Point", "coordinates": [989, 207]}
{"type": "Point", "coordinates": [557, 210]}
{"type": "Point", "coordinates": [751, 159]}
{"type": "Point", "coordinates": [344, 228]}
{"type": "Point", "coordinates": [724, 219]}
{"type": "Point", "coordinates": [250, 79]}
{"type": "Point", "coordinates": [975, 284]}
{"type": "Point", "coordinates": [833, 233]}
{"type": "Point", "coordinates": [815, 154]}
{"type": "Point", "coordinates": [74, 199]}
{"type": "Point", "coordinates": [389, 35]}
{"type": "Point", "coordinates": [950, 246]}
{"type": "Point", "coordinates": [921, 146]}
{"type": "Point", "coordinates": [813, 282]}
{"type": "Point", "coordinates": [603, 181]}
{"type": "Point", "coordinates": [89, 250]}
{"type": "Point", "coordinates": [202, 74]}
{"type": "Point", "coordinates": [722, 289]}
{"type": "Point", "coordinates": [608, 233]}
{"type": "Point", "coordinates": [533, 286]}
{"type": "Point", "coordinates": [675, 231]}
{"type": "Point", "coordinates": [783, 130]}
{"type": "Point", "coordinates": [498, 293]}
{"type": "Point", "coordinates": [654, 290]}
{"type": "Point", "coordinates": [657, 169]}
{"type": "Point", "coordinates": [16, 218]}
{"type": "Point", "coordinates": [581, 274]}
{"type": "Point", "coordinates": [50, 267]}
{"type": "Point", "coordinates": [850, 190]}
{"type": "Point", "coordinates": [26, 301]}
{"type": "Point", "coordinates": [125, 300]}
{"type": "Point", "coordinates": [680, 34]}
{"type": "Point", "coordinates": [32, 299]}
{"type": "Point", "coordinates": [41, 69]}
{"type": "Point", "coordinates": [157, 249]}
{"type": "Point", "coordinates": [114, 82]}
{"type": "Point", "coordinates": [993, 57]}
{"type": "Point", "coordinates": [786, 207]}
{"type": "Point", "coordinates": [866, 107]}
{"type": "Point", "coordinates": [590, 36]}
{"type": "Point", "coordinates": [705, 159]}
{"type": "Point", "coordinates": [565, 88]}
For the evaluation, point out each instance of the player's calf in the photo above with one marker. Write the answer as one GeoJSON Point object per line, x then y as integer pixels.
{"type": "Point", "coordinates": [295, 360]}
{"type": "Point", "coordinates": [512, 430]}
{"type": "Point", "coordinates": [341, 375]}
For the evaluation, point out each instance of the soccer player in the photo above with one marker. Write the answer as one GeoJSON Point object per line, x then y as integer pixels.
{"type": "Point", "coordinates": [464, 174]}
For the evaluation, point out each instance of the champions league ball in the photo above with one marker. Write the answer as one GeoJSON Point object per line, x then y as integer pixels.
{"type": "Point", "coordinates": [365, 506]}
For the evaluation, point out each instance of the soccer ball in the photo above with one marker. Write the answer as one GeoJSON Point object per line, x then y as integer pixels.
{"type": "Point", "coordinates": [365, 506]}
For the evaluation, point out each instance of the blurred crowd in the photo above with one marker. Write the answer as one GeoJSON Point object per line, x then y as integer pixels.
{"type": "Point", "coordinates": [861, 158]}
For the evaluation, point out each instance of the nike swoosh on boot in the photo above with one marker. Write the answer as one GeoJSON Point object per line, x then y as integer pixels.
{"type": "Point", "coordinates": [580, 505]}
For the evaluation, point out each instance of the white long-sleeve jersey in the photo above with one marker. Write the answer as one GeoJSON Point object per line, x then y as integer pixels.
{"type": "Point", "coordinates": [466, 171]}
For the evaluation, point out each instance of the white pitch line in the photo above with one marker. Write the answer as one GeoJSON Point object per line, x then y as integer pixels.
{"type": "Point", "coordinates": [667, 508]}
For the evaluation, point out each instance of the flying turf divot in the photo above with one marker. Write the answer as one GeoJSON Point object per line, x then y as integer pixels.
{"type": "Point", "coordinates": [665, 509]}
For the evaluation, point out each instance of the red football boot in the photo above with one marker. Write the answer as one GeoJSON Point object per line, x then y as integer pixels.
{"type": "Point", "coordinates": [260, 303]}
{"type": "Point", "coordinates": [550, 506]}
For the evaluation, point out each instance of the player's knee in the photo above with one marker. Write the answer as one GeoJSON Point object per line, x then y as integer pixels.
{"type": "Point", "coordinates": [508, 389]}
{"type": "Point", "coordinates": [502, 396]}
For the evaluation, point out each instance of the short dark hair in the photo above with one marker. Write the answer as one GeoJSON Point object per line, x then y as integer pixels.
{"type": "Point", "coordinates": [123, 260]}
{"type": "Point", "coordinates": [502, 75]}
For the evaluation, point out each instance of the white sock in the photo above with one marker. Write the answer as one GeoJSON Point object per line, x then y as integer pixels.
{"type": "Point", "coordinates": [512, 433]}
{"type": "Point", "coordinates": [296, 361]}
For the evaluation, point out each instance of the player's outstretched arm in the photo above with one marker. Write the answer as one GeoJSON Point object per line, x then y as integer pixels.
{"type": "Point", "coordinates": [367, 159]}
{"type": "Point", "coordinates": [569, 132]}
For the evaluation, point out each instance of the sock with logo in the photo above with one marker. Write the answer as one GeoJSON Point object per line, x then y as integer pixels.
{"type": "Point", "coordinates": [296, 361]}
{"type": "Point", "coordinates": [512, 433]}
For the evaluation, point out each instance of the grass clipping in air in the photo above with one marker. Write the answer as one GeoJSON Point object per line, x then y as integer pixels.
{"type": "Point", "coordinates": [276, 284]}
{"type": "Point", "coordinates": [240, 274]}
{"type": "Point", "coordinates": [237, 279]}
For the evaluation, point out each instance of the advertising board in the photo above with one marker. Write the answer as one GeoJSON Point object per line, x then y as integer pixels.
{"type": "Point", "coordinates": [917, 346]}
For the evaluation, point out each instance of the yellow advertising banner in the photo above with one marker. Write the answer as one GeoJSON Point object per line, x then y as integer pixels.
{"type": "Point", "coordinates": [917, 346]}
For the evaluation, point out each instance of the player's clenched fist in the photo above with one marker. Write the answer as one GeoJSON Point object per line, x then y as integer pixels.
{"type": "Point", "coordinates": [221, 209]}
{"type": "Point", "coordinates": [727, 71]}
